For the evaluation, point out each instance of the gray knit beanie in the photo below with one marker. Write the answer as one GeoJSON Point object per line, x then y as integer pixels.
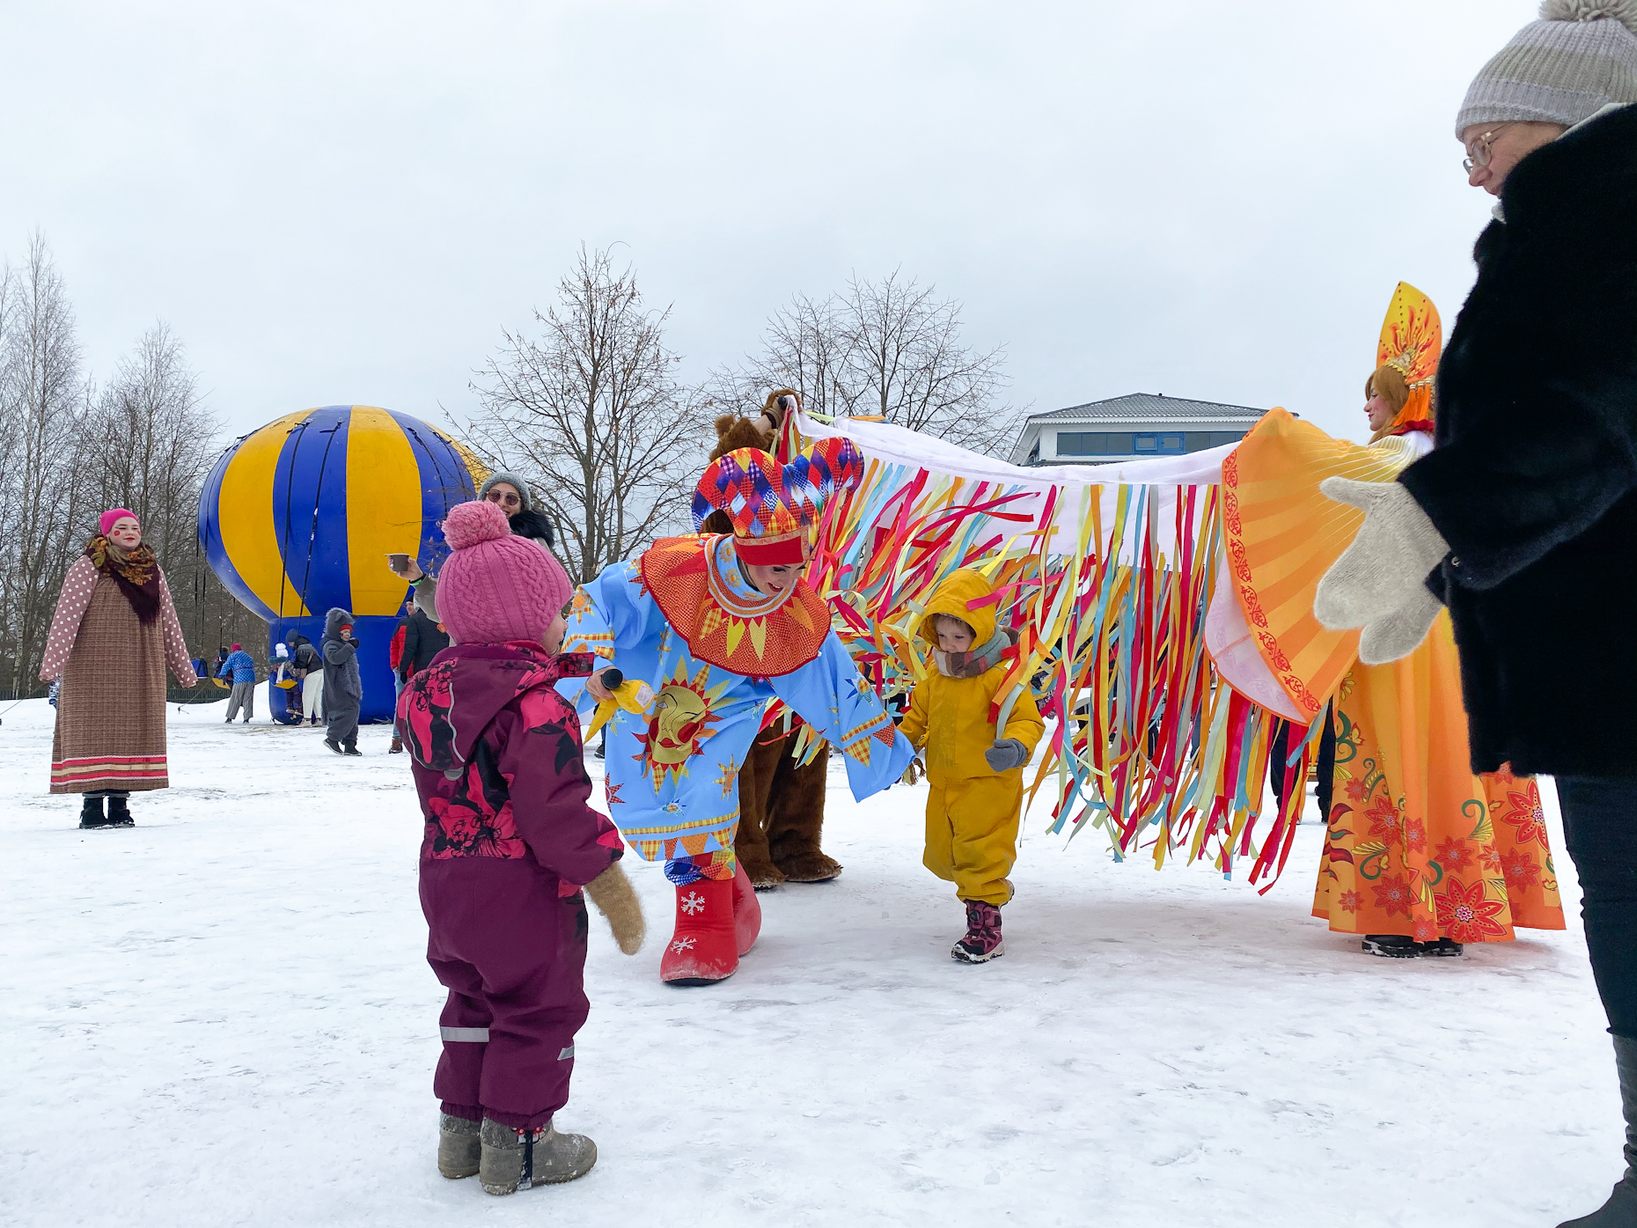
{"type": "Point", "coordinates": [525, 504]}
{"type": "Point", "coordinates": [1577, 59]}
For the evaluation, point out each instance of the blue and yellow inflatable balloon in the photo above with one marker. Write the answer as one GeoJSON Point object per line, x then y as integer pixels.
{"type": "Point", "coordinates": [300, 515]}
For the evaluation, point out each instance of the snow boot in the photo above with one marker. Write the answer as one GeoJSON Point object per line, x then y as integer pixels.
{"type": "Point", "coordinates": [513, 1160]}
{"type": "Point", "coordinates": [334, 745]}
{"type": "Point", "coordinates": [119, 812]}
{"type": "Point", "coordinates": [1391, 946]}
{"type": "Point", "coordinates": [747, 911]}
{"type": "Point", "coordinates": [704, 947]}
{"type": "Point", "coordinates": [459, 1146]}
{"type": "Point", "coordinates": [982, 942]}
{"type": "Point", "coordinates": [1620, 1211]}
{"type": "Point", "coordinates": [397, 747]}
{"type": "Point", "coordinates": [91, 812]}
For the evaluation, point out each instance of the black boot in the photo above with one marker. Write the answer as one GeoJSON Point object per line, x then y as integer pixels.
{"type": "Point", "coordinates": [1391, 946]}
{"type": "Point", "coordinates": [119, 814]}
{"type": "Point", "coordinates": [1620, 1211]}
{"type": "Point", "coordinates": [1443, 948]}
{"type": "Point", "coordinates": [91, 812]}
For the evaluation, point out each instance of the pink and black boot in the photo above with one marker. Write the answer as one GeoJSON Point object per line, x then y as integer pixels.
{"type": "Point", "coordinates": [705, 947]}
{"type": "Point", "coordinates": [982, 942]}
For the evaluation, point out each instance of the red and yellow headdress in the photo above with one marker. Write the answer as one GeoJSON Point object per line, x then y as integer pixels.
{"type": "Point", "coordinates": [772, 506]}
{"type": "Point", "coordinates": [1412, 338]}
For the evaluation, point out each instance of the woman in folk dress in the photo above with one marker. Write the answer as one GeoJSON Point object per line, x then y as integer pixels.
{"type": "Point", "coordinates": [114, 632]}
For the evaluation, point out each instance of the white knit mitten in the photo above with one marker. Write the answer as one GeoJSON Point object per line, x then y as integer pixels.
{"type": "Point", "coordinates": [1400, 633]}
{"type": "Point", "coordinates": [1386, 567]}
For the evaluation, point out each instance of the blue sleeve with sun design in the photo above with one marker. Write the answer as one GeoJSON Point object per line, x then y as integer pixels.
{"type": "Point", "coordinates": [610, 610]}
{"type": "Point", "coordinates": [673, 770]}
{"type": "Point", "coordinates": [835, 699]}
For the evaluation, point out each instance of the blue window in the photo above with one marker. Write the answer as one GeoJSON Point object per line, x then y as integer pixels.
{"type": "Point", "coordinates": [1159, 443]}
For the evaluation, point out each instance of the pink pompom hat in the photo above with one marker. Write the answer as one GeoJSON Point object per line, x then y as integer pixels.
{"type": "Point", "coordinates": [495, 587]}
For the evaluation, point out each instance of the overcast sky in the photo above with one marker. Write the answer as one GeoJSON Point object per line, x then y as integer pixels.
{"type": "Point", "coordinates": [347, 202]}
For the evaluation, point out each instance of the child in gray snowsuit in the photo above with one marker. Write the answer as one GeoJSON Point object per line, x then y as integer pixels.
{"type": "Point", "coordinates": [343, 690]}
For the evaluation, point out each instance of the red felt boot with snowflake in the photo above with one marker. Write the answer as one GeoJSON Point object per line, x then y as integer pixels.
{"type": "Point", "coordinates": [704, 948]}
{"type": "Point", "coordinates": [747, 911]}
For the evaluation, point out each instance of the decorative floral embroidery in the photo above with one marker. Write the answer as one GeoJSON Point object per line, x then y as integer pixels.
{"type": "Point", "coordinates": [1466, 916]}
{"type": "Point", "coordinates": [1469, 884]}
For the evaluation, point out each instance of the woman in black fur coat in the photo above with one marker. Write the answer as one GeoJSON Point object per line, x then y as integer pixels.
{"type": "Point", "coordinates": [1525, 515]}
{"type": "Point", "coordinates": [1524, 518]}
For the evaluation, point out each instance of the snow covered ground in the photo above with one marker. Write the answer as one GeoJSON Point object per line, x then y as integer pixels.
{"type": "Point", "coordinates": [223, 1017]}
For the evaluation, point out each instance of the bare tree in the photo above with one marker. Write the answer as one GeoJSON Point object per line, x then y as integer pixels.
{"type": "Point", "coordinates": [42, 417]}
{"type": "Point", "coordinates": [888, 349]}
{"type": "Point", "coordinates": [590, 410]}
{"type": "Point", "coordinates": [142, 441]}
{"type": "Point", "coordinates": [160, 438]}
{"type": "Point", "coordinates": [160, 441]}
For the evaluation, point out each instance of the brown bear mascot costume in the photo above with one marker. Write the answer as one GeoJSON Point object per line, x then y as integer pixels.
{"type": "Point", "coordinates": [781, 801]}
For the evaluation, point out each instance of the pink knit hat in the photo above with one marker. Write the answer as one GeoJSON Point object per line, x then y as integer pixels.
{"type": "Point", "coordinates": [112, 517]}
{"type": "Point", "coordinates": [495, 587]}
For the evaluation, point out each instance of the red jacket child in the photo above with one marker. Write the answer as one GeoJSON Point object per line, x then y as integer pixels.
{"type": "Point", "coordinates": [509, 841]}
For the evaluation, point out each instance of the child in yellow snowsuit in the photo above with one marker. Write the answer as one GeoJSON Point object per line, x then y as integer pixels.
{"type": "Point", "coordinates": [975, 769]}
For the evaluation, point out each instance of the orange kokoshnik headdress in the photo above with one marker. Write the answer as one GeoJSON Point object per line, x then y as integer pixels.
{"type": "Point", "coordinates": [1412, 338]}
{"type": "Point", "coordinates": [773, 506]}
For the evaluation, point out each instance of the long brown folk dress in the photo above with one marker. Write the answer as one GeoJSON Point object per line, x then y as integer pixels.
{"type": "Point", "coordinates": [111, 707]}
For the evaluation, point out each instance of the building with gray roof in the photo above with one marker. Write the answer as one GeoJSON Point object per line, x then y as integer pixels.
{"type": "Point", "coordinates": [1135, 425]}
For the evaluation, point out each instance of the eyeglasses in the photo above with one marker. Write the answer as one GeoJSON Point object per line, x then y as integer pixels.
{"type": "Point", "coordinates": [1480, 149]}
{"type": "Point", "coordinates": [506, 497]}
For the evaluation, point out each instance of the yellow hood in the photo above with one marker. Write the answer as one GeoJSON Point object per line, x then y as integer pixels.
{"type": "Point", "coordinates": [954, 597]}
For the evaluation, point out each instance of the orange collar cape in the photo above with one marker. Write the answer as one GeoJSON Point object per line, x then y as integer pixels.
{"type": "Point", "coordinates": [698, 586]}
{"type": "Point", "coordinates": [703, 591]}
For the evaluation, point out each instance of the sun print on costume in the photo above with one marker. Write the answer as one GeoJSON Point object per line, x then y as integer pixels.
{"type": "Point", "coordinates": [682, 718]}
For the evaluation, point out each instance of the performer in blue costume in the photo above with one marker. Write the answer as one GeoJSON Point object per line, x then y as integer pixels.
{"type": "Point", "coordinates": [717, 626]}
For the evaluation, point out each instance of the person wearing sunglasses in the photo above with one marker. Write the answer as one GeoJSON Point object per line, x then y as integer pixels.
{"type": "Point", "coordinates": [1523, 519]}
{"type": "Point", "coordinates": [511, 495]}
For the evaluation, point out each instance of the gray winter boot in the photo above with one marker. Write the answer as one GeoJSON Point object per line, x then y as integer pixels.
{"type": "Point", "coordinates": [1620, 1211]}
{"type": "Point", "coordinates": [458, 1146]}
{"type": "Point", "coordinates": [513, 1160]}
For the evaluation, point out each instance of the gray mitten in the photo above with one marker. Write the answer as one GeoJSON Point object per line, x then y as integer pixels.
{"type": "Point", "coordinates": [614, 897]}
{"type": "Point", "coordinates": [1006, 754]}
{"type": "Point", "coordinates": [1385, 569]}
{"type": "Point", "coordinates": [1400, 633]}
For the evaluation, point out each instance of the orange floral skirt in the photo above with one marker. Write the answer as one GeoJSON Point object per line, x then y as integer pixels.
{"type": "Point", "coordinates": [1416, 844]}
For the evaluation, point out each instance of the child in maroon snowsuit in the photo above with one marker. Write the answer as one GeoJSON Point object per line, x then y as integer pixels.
{"type": "Point", "coordinates": [509, 841]}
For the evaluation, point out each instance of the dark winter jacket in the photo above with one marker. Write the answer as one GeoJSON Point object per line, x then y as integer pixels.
{"type": "Point", "coordinates": [342, 687]}
{"type": "Point", "coordinates": [423, 640]}
{"type": "Point", "coordinates": [532, 524]}
{"type": "Point", "coordinates": [304, 657]}
{"type": "Point", "coordinates": [240, 665]}
{"type": "Point", "coordinates": [1534, 480]}
{"type": "Point", "coordinates": [501, 774]}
